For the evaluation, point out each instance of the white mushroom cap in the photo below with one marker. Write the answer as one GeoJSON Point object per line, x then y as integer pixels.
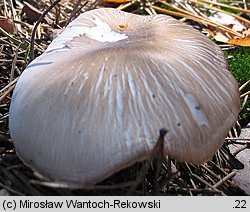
{"type": "Point", "coordinates": [94, 102]}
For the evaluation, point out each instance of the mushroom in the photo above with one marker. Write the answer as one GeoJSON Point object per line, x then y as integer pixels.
{"type": "Point", "coordinates": [94, 101]}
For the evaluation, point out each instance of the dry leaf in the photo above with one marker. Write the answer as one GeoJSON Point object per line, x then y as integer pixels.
{"type": "Point", "coordinates": [245, 41]}
{"type": "Point", "coordinates": [227, 20]}
{"type": "Point", "coordinates": [8, 25]}
{"type": "Point", "coordinates": [33, 14]}
{"type": "Point", "coordinates": [221, 37]}
{"type": "Point", "coordinates": [116, 1]}
{"type": "Point", "coordinates": [234, 24]}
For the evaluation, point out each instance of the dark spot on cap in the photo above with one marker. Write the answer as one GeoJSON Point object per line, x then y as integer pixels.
{"type": "Point", "coordinates": [197, 107]}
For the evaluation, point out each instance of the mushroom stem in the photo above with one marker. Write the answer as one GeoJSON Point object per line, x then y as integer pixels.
{"type": "Point", "coordinates": [158, 158]}
{"type": "Point", "coordinates": [155, 158]}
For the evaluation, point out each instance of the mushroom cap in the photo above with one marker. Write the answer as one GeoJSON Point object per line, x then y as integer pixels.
{"type": "Point", "coordinates": [93, 103]}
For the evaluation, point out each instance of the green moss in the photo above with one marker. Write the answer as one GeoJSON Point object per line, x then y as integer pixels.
{"type": "Point", "coordinates": [239, 65]}
{"type": "Point", "coordinates": [230, 10]}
